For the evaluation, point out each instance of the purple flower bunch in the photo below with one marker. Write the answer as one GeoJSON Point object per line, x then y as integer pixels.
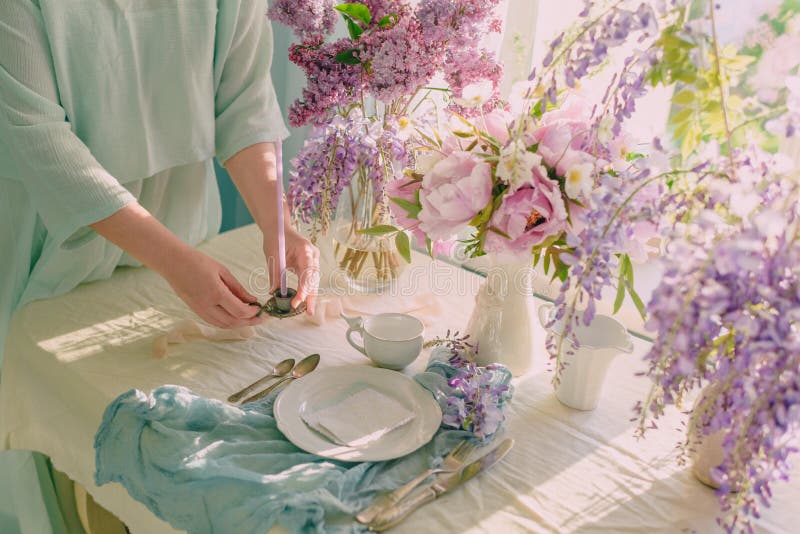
{"type": "Point", "coordinates": [477, 394]}
{"type": "Point", "coordinates": [331, 157]}
{"type": "Point", "coordinates": [620, 215]}
{"type": "Point", "coordinates": [330, 82]}
{"type": "Point", "coordinates": [477, 404]}
{"type": "Point", "coordinates": [578, 55]}
{"type": "Point", "coordinates": [726, 314]}
{"type": "Point", "coordinates": [363, 91]}
{"type": "Point", "coordinates": [307, 19]}
{"type": "Point", "coordinates": [394, 49]}
{"type": "Point", "coordinates": [726, 311]}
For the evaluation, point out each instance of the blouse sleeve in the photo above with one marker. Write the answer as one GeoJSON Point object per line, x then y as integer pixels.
{"type": "Point", "coordinates": [246, 107]}
{"type": "Point", "coordinates": [67, 186]}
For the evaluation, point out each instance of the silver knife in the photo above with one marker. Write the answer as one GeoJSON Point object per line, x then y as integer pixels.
{"type": "Point", "coordinates": [400, 511]}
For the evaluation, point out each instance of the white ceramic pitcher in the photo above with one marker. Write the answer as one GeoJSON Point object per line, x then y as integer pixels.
{"type": "Point", "coordinates": [581, 381]}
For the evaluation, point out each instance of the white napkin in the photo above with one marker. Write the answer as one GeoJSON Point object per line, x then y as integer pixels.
{"type": "Point", "coordinates": [359, 418]}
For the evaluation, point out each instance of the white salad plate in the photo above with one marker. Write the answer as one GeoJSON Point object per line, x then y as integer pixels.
{"type": "Point", "coordinates": [326, 387]}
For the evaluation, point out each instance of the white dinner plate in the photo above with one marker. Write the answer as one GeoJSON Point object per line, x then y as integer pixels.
{"type": "Point", "coordinates": [324, 387]}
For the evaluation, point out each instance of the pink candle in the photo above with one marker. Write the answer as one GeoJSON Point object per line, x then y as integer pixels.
{"type": "Point", "coordinates": [281, 234]}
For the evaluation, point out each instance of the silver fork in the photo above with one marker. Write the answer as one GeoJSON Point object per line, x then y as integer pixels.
{"type": "Point", "coordinates": [451, 463]}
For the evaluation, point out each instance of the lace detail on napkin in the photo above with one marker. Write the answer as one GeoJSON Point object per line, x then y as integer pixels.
{"type": "Point", "coordinates": [359, 418]}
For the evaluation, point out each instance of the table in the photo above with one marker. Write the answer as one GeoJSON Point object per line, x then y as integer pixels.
{"type": "Point", "coordinates": [67, 358]}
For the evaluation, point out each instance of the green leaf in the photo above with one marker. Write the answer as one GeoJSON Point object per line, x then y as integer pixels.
{"type": "Point", "coordinates": [537, 255]}
{"type": "Point", "coordinates": [620, 285]}
{"type": "Point", "coordinates": [636, 299]}
{"type": "Point", "coordinates": [378, 230]}
{"type": "Point", "coordinates": [482, 217]}
{"type": "Point", "coordinates": [429, 246]}
{"type": "Point", "coordinates": [686, 76]}
{"type": "Point", "coordinates": [562, 270]}
{"type": "Point", "coordinates": [684, 98]}
{"type": "Point", "coordinates": [546, 265]}
{"type": "Point", "coordinates": [620, 297]}
{"type": "Point", "coordinates": [681, 116]}
{"type": "Point", "coordinates": [633, 156]}
{"type": "Point", "coordinates": [499, 232]}
{"type": "Point", "coordinates": [348, 57]}
{"type": "Point", "coordinates": [353, 28]}
{"type": "Point", "coordinates": [388, 20]}
{"type": "Point", "coordinates": [403, 245]}
{"type": "Point", "coordinates": [626, 262]}
{"type": "Point", "coordinates": [412, 208]}
{"type": "Point", "coordinates": [355, 11]}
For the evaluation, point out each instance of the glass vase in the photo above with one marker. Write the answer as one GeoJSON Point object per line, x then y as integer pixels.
{"type": "Point", "coordinates": [367, 263]}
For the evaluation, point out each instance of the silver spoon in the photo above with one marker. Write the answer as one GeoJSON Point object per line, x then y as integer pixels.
{"type": "Point", "coordinates": [306, 365]}
{"type": "Point", "coordinates": [280, 370]}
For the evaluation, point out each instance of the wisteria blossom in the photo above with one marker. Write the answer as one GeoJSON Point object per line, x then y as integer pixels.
{"type": "Point", "coordinates": [331, 156]}
{"type": "Point", "coordinates": [477, 394]}
{"type": "Point", "coordinates": [725, 209]}
{"type": "Point", "coordinates": [725, 313]}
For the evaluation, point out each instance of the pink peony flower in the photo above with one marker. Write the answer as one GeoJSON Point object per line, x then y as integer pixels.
{"type": "Point", "coordinates": [527, 217]}
{"type": "Point", "coordinates": [563, 128]}
{"type": "Point", "coordinates": [496, 124]}
{"type": "Point", "coordinates": [407, 190]}
{"type": "Point", "coordinates": [453, 192]}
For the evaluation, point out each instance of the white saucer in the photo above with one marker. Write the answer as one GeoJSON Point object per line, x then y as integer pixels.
{"type": "Point", "coordinates": [326, 386]}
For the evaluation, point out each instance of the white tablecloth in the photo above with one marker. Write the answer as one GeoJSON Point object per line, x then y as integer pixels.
{"type": "Point", "coordinates": [68, 357]}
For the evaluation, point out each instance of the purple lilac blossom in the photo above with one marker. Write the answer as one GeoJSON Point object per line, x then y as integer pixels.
{"type": "Point", "coordinates": [331, 84]}
{"type": "Point", "coordinates": [306, 18]}
{"type": "Point", "coordinates": [400, 61]}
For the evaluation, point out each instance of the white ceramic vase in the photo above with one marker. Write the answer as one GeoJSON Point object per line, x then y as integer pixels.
{"type": "Point", "coordinates": [706, 451]}
{"type": "Point", "coordinates": [706, 455]}
{"type": "Point", "coordinates": [502, 321]}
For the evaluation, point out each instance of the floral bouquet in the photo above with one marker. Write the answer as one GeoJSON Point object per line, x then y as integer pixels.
{"type": "Point", "coordinates": [725, 203]}
{"type": "Point", "coordinates": [518, 180]}
{"type": "Point", "coordinates": [362, 93]}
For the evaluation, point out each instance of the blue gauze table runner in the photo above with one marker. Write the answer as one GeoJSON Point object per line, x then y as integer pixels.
{"type": "Point", "coordinates": [205, 466]}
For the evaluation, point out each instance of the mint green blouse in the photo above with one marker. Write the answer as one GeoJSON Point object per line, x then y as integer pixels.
{"type": "Point", "coordinates": [104, 101]}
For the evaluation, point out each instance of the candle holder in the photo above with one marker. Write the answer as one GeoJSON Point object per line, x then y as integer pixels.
{"type": "Point", "coordinates": [281, 306]}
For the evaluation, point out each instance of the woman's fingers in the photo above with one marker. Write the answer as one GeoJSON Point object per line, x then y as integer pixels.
{"type": "Point", "coordinates": [307, 266]}
{"type": "Point", "coordinates": [235, 308]}
{"type": "Point", "coordinates": [236, 288]}
{"type": "Point", "coordinates": [217, 316]}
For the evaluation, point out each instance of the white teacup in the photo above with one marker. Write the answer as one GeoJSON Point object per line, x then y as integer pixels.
{"type": "Point", "coordinates": [391, 340]}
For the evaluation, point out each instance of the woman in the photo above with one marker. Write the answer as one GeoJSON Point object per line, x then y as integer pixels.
{"type": "Point", "coordinates": [111, 112]}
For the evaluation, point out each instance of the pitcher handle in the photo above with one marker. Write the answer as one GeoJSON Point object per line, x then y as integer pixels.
{"type": "Point", "coordinates": [355, 326]}
{"type": "Point", "coordinates": [627, 345]}
{"type": "Point", "coordinates": [544, 314]}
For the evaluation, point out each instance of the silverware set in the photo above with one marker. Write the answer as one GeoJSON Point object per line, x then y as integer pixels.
{"type": "Point", "coordinates": [285, 371]}
{"type": "Point", "coordinates": [390, 509]}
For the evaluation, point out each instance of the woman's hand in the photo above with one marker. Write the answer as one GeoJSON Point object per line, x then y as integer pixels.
{"type": "Point", "coordinates": [253, 170]}
{"type": "Point", "coordinates": [302, 258]}
{"type": "Point", "coordinates": [211, 291]}
{"type": "Point", "coordinates": [206, 286]}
